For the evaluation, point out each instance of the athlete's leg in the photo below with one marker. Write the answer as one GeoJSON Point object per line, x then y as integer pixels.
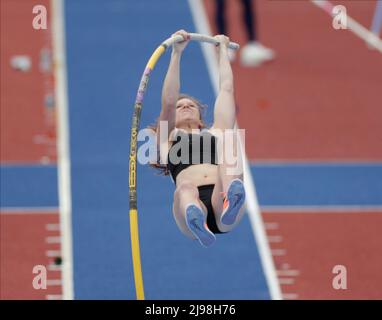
{"type": "Point", "coordinates": [190, 213]}
{"type": "Point", "coordinates": [229, 155]}
{"type": "Point", "coordinates": [185, 194]}
{"type": "Point", "coordinates": [230, 184]}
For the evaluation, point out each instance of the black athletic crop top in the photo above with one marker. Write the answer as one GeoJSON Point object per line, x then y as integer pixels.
{"type": "Point", "coordinates": [188, 149]}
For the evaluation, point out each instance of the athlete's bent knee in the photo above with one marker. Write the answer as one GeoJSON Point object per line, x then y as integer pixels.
{"type": "Point", "coordinates": [186, 186]}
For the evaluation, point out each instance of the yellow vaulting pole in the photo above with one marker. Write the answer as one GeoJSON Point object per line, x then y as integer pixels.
{"type": "Point", "coordinates": [140, 293]}
{"type": "Point", "coordinates": [134, 230]}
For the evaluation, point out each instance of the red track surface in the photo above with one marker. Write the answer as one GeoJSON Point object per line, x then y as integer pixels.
{"type": "Point", "coordinates": [23, 246]}
{"type": "Point", "coordinates": [27, 126]}
{"type": "Point", "coordinates": [315, 242]}
{"type": "Point", "coordinates": [28, 135]}
{"type": "Point", "coordinates": [317, 100]}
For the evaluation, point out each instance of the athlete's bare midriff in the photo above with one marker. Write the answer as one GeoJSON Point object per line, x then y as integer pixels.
{"type": "Point", "coordinates": [199, 174]}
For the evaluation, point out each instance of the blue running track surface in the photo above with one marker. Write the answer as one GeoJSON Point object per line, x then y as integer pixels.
{"type": "Point", "coordinates": [108, 44]}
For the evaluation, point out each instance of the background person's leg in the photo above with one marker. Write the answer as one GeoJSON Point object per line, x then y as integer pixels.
{"type": "Point", "coordinates": [221, 22]}
{"type": "Point", "coordinates": [253, 53]}
{"type": "Point", "coordinates": [249, 20]}
{"type": "Point", "coordinates": [220, 16]}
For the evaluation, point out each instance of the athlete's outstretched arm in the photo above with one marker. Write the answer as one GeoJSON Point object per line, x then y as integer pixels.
{"type": "Point", "coordinates": [224, 111]}
{"type": "Point", "coordinates": [171, 85]}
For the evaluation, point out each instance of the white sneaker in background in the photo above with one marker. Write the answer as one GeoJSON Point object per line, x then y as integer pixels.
{"type": "Point", "coordinates": [254, 54]}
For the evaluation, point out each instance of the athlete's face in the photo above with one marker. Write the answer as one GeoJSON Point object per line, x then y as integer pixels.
{"type": "Point", "coordinates": [187, 111]}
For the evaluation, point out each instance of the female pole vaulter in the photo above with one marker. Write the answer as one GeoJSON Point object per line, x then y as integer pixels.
{"type": "Point", "coordinates": [209, 198]}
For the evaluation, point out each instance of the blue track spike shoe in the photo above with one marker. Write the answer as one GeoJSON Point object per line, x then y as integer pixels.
{"type": "Point", "coordinates": [233, 201]}
{"type": "Point", "coordinates": [195, 219]}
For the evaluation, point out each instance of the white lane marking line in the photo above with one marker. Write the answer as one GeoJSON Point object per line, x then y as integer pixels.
{"type": "Point", "coordinates": [53, 297]}
{"type": "Point", "coordinates": [252, 205]}
{"type": "Point", "coordinates": [275, 239]}
{"type": "Point", "coordinates": [290, 296]}
{"type": "Point", "coordinates": [52, 227]}
{"type": "Point", "coordinates": [53, 253]}
{"type": "Point", "coordinates": [52, 240]}
{"type": "Point", "coordinates": [288, 273]}
{"type": "Point", "coordinates": [286, 281]}
{"type": "Point", "coordinates": [63, 159]}
{"type": "Point", "coordinates": [278, 252]}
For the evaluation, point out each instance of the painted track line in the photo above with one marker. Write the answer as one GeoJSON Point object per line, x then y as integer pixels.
{"type": "Point", "coordinates": [290, 296]}
{"type": "Point", "coordinates": [53, 253]}
{"type": "Point", "coordinates": [53, 240]}
{"type": "Point", "coordinates": [271, 225]}
{"type": "Point", "coordinates": [288, 273]}
{"type": "Point", "coordinates": [253, 209]}
{"type": "Point", "coordinates": [63, 159]}
{"type": "Point", "coordinates": [275, 239]}
{"type": "Point", "coordinates": [53, 282]}
{"type": "Point", "coordinates": [53, 267]}
{"type": "Point", "coordinates": [52, 227]}
{"type": "Point", "coordinates": [54, 297]}
{"type": "Point", "coordinates": [286, 281]}
{"type": "Point", "coordinates": [278, 252]}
